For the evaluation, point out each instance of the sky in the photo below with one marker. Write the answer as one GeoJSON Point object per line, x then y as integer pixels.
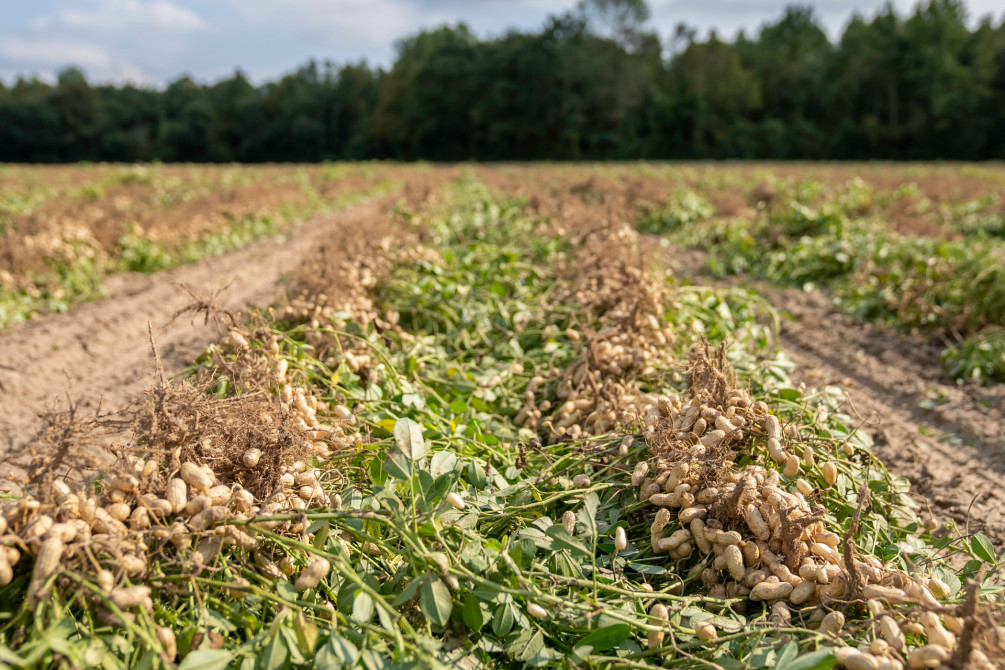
{"type": "Point", "coordinates": [151, 42]}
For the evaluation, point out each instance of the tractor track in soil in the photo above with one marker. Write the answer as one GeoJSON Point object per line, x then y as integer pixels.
{"type": "Point", "coordinates": [100, 351]}
{"type": "Point", "coordinates": [947, 439]}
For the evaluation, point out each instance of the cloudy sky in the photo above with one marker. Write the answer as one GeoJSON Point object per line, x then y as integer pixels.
{"type": "Point", "coordinates": [154, 41]}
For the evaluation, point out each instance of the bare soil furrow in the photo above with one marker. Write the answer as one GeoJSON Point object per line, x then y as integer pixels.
{"type": "Point", "coordinates": [962, 481]}
{"type": "Point", "coordinates": [947, 439]}
{"type": "Point", "coordinates": [100, 351]}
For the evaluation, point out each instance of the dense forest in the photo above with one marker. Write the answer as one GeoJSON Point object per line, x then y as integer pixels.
{"type": "Point", "coordinates": [593, 83]}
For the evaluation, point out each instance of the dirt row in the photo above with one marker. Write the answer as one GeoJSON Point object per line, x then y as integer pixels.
{"type": "Point", "coordinates": [100, 351]}
{"type": "Point", "coordinates": [948, 440]}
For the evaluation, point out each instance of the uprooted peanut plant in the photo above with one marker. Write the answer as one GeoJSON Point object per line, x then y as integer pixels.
{"type": "Point", "coordinates": [480, 436]}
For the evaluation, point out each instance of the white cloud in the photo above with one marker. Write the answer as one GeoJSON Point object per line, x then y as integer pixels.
{"type": "Point", "coordinates": [128, 40]}
{"type": "Point", "coordinates": [113, 40]}
{"type": "Point", "coordinates": [43, 57]}
{"type": "Point", "coordinates": [729, 16]}
{"type": "Point", "coordinates": [348, 24]}
{"type": "Point", "coordinates": [118, 16]}
{"type": "Point", "coordinates": [53, 52]}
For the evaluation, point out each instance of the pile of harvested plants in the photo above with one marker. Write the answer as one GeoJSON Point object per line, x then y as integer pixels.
{"type": "Point", "coordinates": [504, 446]}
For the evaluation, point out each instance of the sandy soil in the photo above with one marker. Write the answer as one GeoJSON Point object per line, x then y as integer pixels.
{"type": "Point", "coordinates": [101, 350]}
{"type": "Point", "coordinates": [947, 439]}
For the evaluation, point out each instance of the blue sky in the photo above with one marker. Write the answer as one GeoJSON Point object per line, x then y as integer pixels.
{"type": "Point", "coordinates": [154, 41]}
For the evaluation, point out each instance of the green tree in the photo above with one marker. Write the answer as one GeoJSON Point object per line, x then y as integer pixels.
{"type": "Point", "coordinates": [595, 82]}
{"type": "Point", "coordinates": [710, 79]}
{"type": "Point", "coordinates": [425, 106]}
{"type": "Point", "coordinates": [80, 124]}
{"type": "Point", "coordinates": [789, 60]}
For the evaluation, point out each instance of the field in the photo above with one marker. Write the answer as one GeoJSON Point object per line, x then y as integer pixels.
{"type": "Point", "coordinates": [612, 416]}
{"type": "Point", "coordinates": [65, 229]}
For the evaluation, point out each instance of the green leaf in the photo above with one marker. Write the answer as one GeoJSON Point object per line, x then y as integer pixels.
{"type": "Point", "coordinates": [276, 653]}
{"type": "Point", "coordinates": [362, 607]}
{"type": "Point", "coordinates": [286, 590]}
{"type": "Point", "coordinates": [502, 620]}
{"type": "Point", "coordinates": [9, 657]}
{"type": "Point", "coordinates": [606, 637]}
{"type": "Point", "coordinates": [762, 657]}
{"type": "Point", "coordinates": [471, 613]}
{"type": "Point", "coordinates": [562, 540]}
{"type": "Point", "coordinates": [588, 515]}
{"type": "Point", "coordinates": [407, 594]}
{"type": "Point", "coordinates": [458, 406]}
{"type": "Point", "coordinates": [727, 663]}
{"type": "Point", "coordinates": [306, 633]}
{"type": "Point", "coordinates": [971, 567]}
{"type": "Point", "coordinates": [538, 537]}
{"type": "Point", "coordinates": [727, 625]}
{"type": "Point", "coordinates": [413, 400]}
{"type": "Point", "coordinates": [207, 659]}
{"type": "Point", "coordinates": [436, 602]}
{"type": "Point", "coordinates": [822, 659]}
{"type": "Point", "coordinates": [982, 548]}
{"type": "Point", "coordinates": [375, 660]}
{"type": "Point", "coordinates": [218, 621]}
{"type": "Point", "coordinates": [338, 651]}
{"type": "Point", "coordinates": [786, 655]}
{"type": "Point", "coordinates": [320, 529]}
{"type": "Point", "coordinates": [942, 541]}
{"type": "Point", "coordinates": [397, 467]}
{"type": "Point", "coordinates": [476, 475]}
{"type": "Point", "coordinates": [440, 487]}
{"type": "Point", "coordinates": [526, 645]}
{"type": "Point", "coordinates": [377, 474]}
{"type": "Point", "coordinates": [647, 568]}
{"type": "Point", "coordinates": [387, 620]}
{"type": "Point", "coordinates": [546, 657]}
{"type": "Point", "coordinates": [147, 662]}
{"type": "Point", "coordinates": [408, 435]}
{"type": "Point", "coordinates": [442, 462]}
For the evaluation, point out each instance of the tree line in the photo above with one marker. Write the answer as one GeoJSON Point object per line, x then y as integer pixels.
{"type": "Point", "coordinates": [595, 82]}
